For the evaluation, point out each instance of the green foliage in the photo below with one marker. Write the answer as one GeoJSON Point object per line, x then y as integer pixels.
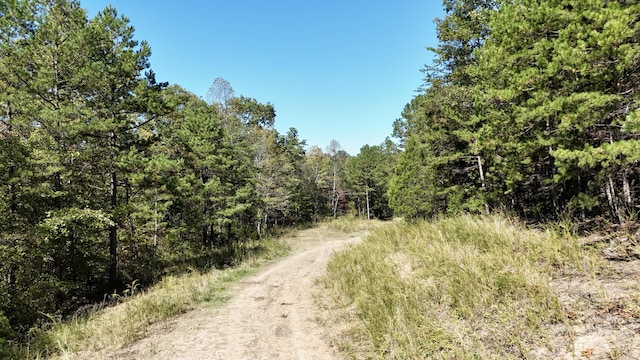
{"type": "Point", "coordinates": [531, 106]}
{"type": "Point", "coordinates": [6, 333]}
{"type": "Point", "coordinates": [412, 191]}
{"type": "Point", "coordinates": [252, 113]}
{"type": "Point", "coordinates": [442, 169]}
{"type": "Point", "coordinates": [368, 175]}
{"type": "Point", "coordinates": [108, 177]}
{"type": "Point", "coordinates": [562, 124]}
{"type": "Point", "coordinates": [460, 33]}
{"type": "Point", "coordinates": [316, 169]}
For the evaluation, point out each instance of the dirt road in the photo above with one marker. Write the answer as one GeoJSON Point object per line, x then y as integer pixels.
{"type": "Point", "coordinates": [270, 316]}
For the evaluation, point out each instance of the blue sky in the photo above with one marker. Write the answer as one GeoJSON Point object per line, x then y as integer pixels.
{"type": "Point", "coordinates": [333, 69]}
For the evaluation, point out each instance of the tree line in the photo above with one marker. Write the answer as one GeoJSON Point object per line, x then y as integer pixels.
{"type": "Point", "coordinates": [109, 177]}
{"type": "Point", "coordinates": [531, 106]}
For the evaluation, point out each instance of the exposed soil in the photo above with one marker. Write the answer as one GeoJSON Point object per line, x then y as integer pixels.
{"type": "Point", "coordinates": [271, 315]}
{"type": "Point", "coordinates": [603, 310]}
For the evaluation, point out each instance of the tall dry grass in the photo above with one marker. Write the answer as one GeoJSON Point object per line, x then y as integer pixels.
{"type": "Point", "coordinates": [457, 288]}
{"type": "Point", "coordinates": [351, 224]}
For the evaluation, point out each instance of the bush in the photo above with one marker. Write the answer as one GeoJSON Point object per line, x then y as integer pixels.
{"type": "Point", "coordinates": [5, 335]}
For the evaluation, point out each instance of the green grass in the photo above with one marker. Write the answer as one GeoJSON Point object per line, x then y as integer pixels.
{"type": "Point", "coordinates": [120, 325]}
{"type": "Point", "coordinates": [464, 288]}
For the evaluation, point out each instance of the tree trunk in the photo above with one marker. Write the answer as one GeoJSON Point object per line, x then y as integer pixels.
{"type": "Point", "coordinates": [113, 234]}
{"type": "Point", "coordinates": [113, 229]}
{"type": "Point", "coordinates": [612, 197]}
{"type": "Point", "coordinates": [8, 128]}
{"type": "Point", "coordinates": [205, 236]}
{"type": "Point", "coordinates": [8, 122]}
{"type": "Point", "coordinates": [266, 219]}
{"type": "Point", "coordinates": [211, 237]}
{"type": "Point", "coordinates": [155, 224]}
{"type": "Point", "coordinates": [368, 207]}
{"type": "Point", "coordinates": [335, 196]}
{"type": "Point", "coordinates": [483, 183]}
{"type": "Point", "coordinates": [626, 189]}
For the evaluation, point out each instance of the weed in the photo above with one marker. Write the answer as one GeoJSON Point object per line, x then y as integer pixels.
{"type": "Point", "coordinates": [465, 287]}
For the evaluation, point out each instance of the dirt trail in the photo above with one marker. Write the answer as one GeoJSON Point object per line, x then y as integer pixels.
{"type": "Point", "coordinates": [270, 316]}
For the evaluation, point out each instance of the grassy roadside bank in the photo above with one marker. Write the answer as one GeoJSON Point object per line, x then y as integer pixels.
{"type": "Point", "coordinates": [120, 325]}
{"type": "Point", "coordinates": [464, 288]}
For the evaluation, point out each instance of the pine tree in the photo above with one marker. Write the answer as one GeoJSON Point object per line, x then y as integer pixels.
{"type": "Point", "coordinates": [368, 175]}
{"type": "Point", "coordinates": [442, 119]}
{"type": "Point", "coordinates": [74, 105]}
{"type": "Point", "coordinates": [555, 87]}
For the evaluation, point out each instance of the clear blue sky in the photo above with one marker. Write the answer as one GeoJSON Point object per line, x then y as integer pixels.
{"type": "Point", "coordinates": [334, 69]}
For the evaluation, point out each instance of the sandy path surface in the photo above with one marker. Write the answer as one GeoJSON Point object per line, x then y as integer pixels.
{"type": "Point", "coordinates": [271, 315]}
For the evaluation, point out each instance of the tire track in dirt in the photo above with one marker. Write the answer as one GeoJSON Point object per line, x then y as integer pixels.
{"type": "Point", "coordinates": [271, 315]}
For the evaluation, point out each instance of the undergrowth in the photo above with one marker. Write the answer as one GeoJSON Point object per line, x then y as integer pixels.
{"type": "Point", "coordinates": [117, 326]}
{"type": "Point", "coordinates": [456, 288]}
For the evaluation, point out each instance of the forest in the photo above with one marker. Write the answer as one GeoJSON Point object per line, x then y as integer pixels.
{"type": "Point", "coordinates": [531, 107]}
{"type": "Point", "coordinates": [110, 177]}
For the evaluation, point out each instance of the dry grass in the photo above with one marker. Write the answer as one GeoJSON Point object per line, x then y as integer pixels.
{"type": "Point", "coordinates": [121, 325]}
{"type": "Point", "coordinates": [464, 288]}
{"type": "Point", "coordinates": [118, 326]}
{"type": "Point", "coordinates": [352, 224]}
